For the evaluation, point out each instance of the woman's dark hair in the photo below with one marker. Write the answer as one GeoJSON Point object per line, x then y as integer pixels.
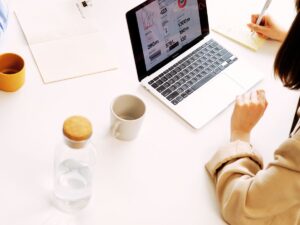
{"type": "Point", "coordinates": [287, 61]}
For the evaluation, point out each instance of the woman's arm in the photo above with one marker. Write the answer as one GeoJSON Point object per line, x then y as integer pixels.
{"type": "Point", "coordinates": [247, 193]}
{"type": "Point", "coordinates": [250, 195]}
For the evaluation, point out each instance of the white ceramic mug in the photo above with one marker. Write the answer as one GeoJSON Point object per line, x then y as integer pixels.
{"type": "Point", "coordinates": [127, 114]}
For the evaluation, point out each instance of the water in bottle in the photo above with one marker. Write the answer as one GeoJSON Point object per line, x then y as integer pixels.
{"type": "Point", "coordinates": [73, 166]}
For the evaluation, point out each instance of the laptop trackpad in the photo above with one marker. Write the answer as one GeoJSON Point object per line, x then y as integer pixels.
{"type": "Point", "coordinates": [245, 75]}
{"type": "Point", "coordinates": [209, 100]}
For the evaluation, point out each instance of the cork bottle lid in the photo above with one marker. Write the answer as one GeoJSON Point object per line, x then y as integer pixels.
{"type": "Point", "coordinates": [77, 128]}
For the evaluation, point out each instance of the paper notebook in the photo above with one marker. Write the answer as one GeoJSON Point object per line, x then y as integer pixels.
{"type": "Point", "coordinates": [232, 23]}
{"type": "Point", "coordinates": [63, 43]}
{"type": "Point", "coordinates": [240, 35]}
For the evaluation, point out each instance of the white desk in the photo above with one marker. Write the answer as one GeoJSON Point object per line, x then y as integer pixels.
{"type": "Point", "coordinates": [157, 179]}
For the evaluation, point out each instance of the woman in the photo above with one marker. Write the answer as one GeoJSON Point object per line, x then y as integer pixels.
{"type": "Point", "coordinates": [249, 194]}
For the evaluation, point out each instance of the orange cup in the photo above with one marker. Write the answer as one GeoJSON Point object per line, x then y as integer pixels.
{"type": "Point", "coordinates": [12, 72]}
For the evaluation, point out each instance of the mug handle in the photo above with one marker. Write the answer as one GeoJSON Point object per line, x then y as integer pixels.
{"type": "Point", "coordinates": [115, 129]}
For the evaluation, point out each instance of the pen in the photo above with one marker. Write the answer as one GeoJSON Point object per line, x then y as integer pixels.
{"type": "Point", "coordinates": [266, 6]}
{"type": "Point", "coordinates": [261, 15]}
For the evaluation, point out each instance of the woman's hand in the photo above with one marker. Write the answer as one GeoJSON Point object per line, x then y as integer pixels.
{"type": "Point", "coordinates": [267, 28]}
{"type": "Point", "coordinates": [248, 110]}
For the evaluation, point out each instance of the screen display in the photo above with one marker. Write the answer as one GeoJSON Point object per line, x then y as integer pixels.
{"type": "Point", "coordinates": [166, 26]}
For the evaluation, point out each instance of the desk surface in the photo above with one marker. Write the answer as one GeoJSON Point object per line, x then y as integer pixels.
{"type": "Point", "coordinates": [159, 178]}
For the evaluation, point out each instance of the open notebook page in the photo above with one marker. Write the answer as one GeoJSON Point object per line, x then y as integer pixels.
{"type": "Point", "coordinates": [233, 17]}
{"type": "Point", "coordinates": [240, 34]}
{"type": "Point", "coordinates": [64, 45]}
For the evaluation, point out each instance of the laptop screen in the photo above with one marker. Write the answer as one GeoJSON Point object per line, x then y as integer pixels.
{"type": "Point", "coordinates": [160, 30]}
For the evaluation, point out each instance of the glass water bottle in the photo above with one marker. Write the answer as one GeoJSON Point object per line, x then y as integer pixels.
{"type": "Point", "coordinates": [74, 165]}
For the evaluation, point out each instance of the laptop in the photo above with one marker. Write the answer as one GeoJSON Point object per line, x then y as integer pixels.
{"type": "Point", "coordinates": [181, 64]}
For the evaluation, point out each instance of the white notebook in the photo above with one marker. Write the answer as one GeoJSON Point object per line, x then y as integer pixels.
{"type": "Point", "coordinates": [240, 34]}
{"type": "Point", "coordinates": [232, 22]}
{"type": "Point", "coordinates": [63, 43]}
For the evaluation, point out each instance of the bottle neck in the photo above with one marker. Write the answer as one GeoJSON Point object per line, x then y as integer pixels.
{"type": "Point", "coordinates": [75, 144]}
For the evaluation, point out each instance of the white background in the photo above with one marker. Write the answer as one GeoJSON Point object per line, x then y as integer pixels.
{"type": "Point", "coordinates": [157, 179]}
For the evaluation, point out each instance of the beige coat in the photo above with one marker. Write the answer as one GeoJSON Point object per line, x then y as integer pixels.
{"type": "Point", "coordinates": [249, 194]}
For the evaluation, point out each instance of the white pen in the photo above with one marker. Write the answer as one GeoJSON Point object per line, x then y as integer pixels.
{"type": "Point", "coordinates": [261, 15]}
{"type": "Point", "coordinates": [83, 6]}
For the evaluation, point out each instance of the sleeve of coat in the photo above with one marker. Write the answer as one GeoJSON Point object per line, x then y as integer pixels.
{"type": "Point", "coordinates": [248, 194]}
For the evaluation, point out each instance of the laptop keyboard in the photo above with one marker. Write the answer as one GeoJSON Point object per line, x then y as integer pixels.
{"type": "Point", "coordinates": [190, 73]}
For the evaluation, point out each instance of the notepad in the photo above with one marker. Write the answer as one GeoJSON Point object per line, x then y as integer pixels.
{"type": "Point", "coordinates": [63, 43]}
{"type": "Point", "coordinates": [232, 23]}
{"type": "Point", "coordinates": [240, 35]}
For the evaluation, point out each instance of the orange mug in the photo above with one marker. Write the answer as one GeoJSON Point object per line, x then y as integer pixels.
{"type": "Point", "coordinates": [12, 72]}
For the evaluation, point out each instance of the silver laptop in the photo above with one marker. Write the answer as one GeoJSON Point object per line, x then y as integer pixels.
{"type": "Point", "coordinates": [180, 64]}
